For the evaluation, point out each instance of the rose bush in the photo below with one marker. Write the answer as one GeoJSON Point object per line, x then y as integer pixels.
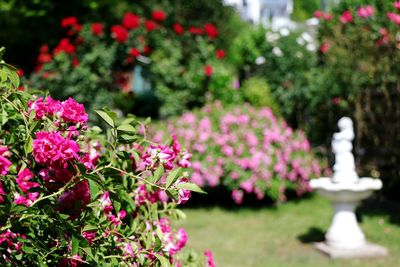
{"type": "Point", "coordinates": [71, 196]}
{"type": "Point", "coordinates": [247, 150]}
{"type": "Point", "coordinates": [143, 62]}
{"type": "Point", "coordinates": [359, 56]}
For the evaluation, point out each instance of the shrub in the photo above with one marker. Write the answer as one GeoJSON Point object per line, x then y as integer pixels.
{"type": "Point", "coordinates": [72, 196]}
{"type": "Point", "coordinates": [257, 92]}
{"type": "Point", "coordinates": [359, 50]}
{"type": "Point", "coordinates": [247, 150]}
{"type": "Point", "coordinates": [154, 59]}
{"type": "Point", "coordinates": [285, 59]}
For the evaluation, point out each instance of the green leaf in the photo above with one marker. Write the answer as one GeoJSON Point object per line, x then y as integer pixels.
{"type": "Point", "coordinates": [191, 187]}
{"type": "Point", "coordinates": [163, 261]}
{"type": "Point", "coordinates": [173, 176]}
{"type": "Point", "coordinates": [173, 194]}
{"type": "Point", "coordinates": [106, 117]}
{"type": "Point", "coordinates": [28, 145]}
{"type": "Point", "coordinates": [75, 245]}
{"type": "Point", "coordinates": [126, 128]}
{"type": "Point", "coordinates": [157, 174]}
{"type": "Point", "coordinates": [180, 214]}
{"type": "Point", "coordinates": [94, 189]}
{"type": "Point", "coordinates": [89, 228]}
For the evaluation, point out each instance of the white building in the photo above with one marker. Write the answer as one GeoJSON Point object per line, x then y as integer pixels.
{"type": "Point", "coordinates": [271, 13]}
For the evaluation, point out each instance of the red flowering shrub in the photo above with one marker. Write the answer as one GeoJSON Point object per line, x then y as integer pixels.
{"type": "Point", "coordinates": [71, 196]}
{"type": "Point", "coordinates": [171, 56]}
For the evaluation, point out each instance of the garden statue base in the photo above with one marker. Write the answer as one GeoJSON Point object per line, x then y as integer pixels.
{"type": "Point", "coordinates": [345, 190]}
{"type": "Point", "coordinates": [364, 251]}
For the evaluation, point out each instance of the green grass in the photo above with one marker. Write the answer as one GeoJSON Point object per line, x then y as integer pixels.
{"type": "Point", "coordinates": [283, 236]}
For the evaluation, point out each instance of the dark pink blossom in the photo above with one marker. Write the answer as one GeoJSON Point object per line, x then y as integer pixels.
{"type": "Point", "coordinates": [73, 112]}
{"type": "Point", "coordinates": [89, 236]}
{"type": "Point", "coordinates": [4, 162]}
{"type": "Point", "coordinates": [394, 17]}
{"type": "Point", "coordinates": [25, 200]}
{"type": "Point", "coordinates": [183, 194]}
{"type": "Point", "coordinates": [210, 258]}
{"type": "Point", "coordinates": [74, 201]}
{"type": "Point", "coordinates": [346, 17]}
{"type": "Point", "coordinates": [106, 203]}
{"type": "Point", "coordinates": [396, 4]}
{"type": "Point", "coordinates": [160, 154]}
{"type": "Point", "coordinates": [365, 12]}
{"type": "Point", "coordinates": [51, 149]}
{"type": "Point", "coordinates": [23, 180]}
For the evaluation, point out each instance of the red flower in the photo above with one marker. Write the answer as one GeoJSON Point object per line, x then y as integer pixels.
{"type": "Point", "coordinates": [208, 70]}
{"type": "Point", "coordinates": [196, 30]}
{"type": "Point", "coordinates": [325, 46]}
{"type": "Point", "coordinates": [131, 21]}
{"type": "Point", "coordinates": [64, 46]}
{"type": "Point", "coordinates": [68, 22]}
{"type": "Point", "coordinates": [220, 54]}
{"type": "Point", "coordinates": [119, 33]}
{"type": "Point", "coordinates": [178, 28]}
{"type": "Point", "coordinates": [75, 62]}
{"type": "Point", "coordinates": [134, 52]}
{"type": "Point", "coordinates": [211, 30]}
{"type": "Point", "coordinates": [74, 201]}
{"type": "Point", "coordinates": [97, 29]}
{"type": "Point", "coordinates": [150, 25]}
{"type": "Point", "coordinates": [158, 15]}
{"type": "Point", "coordinates": [20, 72]}
{"type": "Point", "coordinates": [77, 27]}
{"type": "Point", "coordinates": [147, 50]}
{"type": "Point", "coordinates": [346, 17]}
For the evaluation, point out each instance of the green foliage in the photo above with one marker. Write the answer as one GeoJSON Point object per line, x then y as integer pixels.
{"type": "Point", "coordinates": [257, 92]}
{"type": "Point", "coordinates": [303, 10]}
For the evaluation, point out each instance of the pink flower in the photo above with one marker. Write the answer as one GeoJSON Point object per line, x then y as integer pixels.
{"type": "Point", "coordinates": [74, 201]}
{"type": "Point", "coordinates": [318, 14]}
{"type": "Point", "coordinates": [23, 180]}
{"type": "Point", "coordinates": [164, 225]}
{"type": "Point", "coordinates": [55, 178]}
{"type": "Point", "coordinates": [51, 149]}
{"type": "Point", "coordinates": [158, 154]}
{"type": "Point", "coordinates": [184, 159]}
{"type": "Point", "coordinates": [365, 11]}
{"type": "Point", "coordinates": [2, 193]}
{"type": "Point", "coordinates": [324, 48]}
{"type": "Point", "coordinates": [128, 250]}
{"type": "Point", "coordinates": [105, 202]}
{"type": "Point", "coordinates": [183, 194]}
{"type": "Point", "coordinates": [39, 107]}
{"type": "Point", "coordinates": [210, 258]}
{"type": "Point", "coordinates": [53, 106]}
{"type": "Point", "coordinates": [27, 201]}
{"type": "Point", "coordinates": [73, 111]}
{"type": "Point", "coordinates": [394, 17]}
{"type": "Point", "coordinates": [346, 17]}
{"type": "Point", "coordinates": [130, 21]}
{"type": "Point", "coordinates": [237, 196]}
{"type": "Point", "coordinates": [89, 236]}
{"type": "Point", "coordinates": [397, 4]}
{"type": "Point", "coordinates": [181, 238]}
{"type": "Point", "coordinates": [4, 162]}
{"type": "Point", "coordinates": [141, 195]}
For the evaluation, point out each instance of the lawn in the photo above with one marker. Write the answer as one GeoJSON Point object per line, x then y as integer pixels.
{"type": "Point", "coordinates": [284, 236]}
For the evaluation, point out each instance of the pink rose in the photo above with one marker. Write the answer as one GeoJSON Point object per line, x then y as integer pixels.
{"type": "Point", "coordinates": [346, 17]}
{"type": "Point", "coordinates": [365, 11]}
{"type": "Point", "coordinates": [73, 111]}
{"type": "Point", "coordinates": [23, 180]}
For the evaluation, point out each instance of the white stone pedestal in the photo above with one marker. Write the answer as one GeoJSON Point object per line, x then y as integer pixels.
{"type": "Point", "coordinates": [365, 251]}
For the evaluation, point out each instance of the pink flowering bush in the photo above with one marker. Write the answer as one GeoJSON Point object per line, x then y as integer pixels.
{"type": "Point", "coordinates": [247, 150]}
{"type": "Point", "coordinates": [72, 196]}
